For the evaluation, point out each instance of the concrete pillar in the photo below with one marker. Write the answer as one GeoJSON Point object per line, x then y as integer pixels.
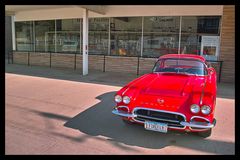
{"type": "Point", "coordinates": [180, 35]}
{"type": "Point", "coordinates": [85, 42]}
{"type": "Point", "coordinates": [13, 33]}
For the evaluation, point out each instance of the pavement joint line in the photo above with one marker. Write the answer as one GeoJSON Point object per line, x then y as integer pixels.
{"type": "Point", "coordinates": [42, 101]}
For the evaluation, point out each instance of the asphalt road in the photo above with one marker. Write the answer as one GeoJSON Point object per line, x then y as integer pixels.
{"type": "Point", "coordinates": [60, 116]}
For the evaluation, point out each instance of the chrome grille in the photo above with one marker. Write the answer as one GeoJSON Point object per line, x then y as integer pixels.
{"type": "Point", "coordinates": [173, 119]}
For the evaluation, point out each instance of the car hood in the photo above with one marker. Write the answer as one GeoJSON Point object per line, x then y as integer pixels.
{"type": "Point", "coordinates": [169, 84]}
{"type": "Point", "coordinates": [161, 90]}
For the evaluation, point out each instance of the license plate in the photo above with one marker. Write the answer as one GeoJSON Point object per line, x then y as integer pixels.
{"type": "Point", "coordinates": [156, 126]}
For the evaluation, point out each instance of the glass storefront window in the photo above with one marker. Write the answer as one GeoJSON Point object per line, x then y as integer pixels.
{"type": "Point", "coordinates": [194, 29]}
{"type": "Point", "coordinates": [199, 35]}
{"type": "Point", "coordinates": [68, 35]}
{"type": "Point", "coordinates": [125, 36]}
{"type": "Point", "coordinates": [98, 35]}
{"type": "Point", "coordinates": [160, 36]}
{"type": "Point", "coordinates": [45, 36]}
{"type": "Point", "coordinates": [24, 36]}
{"type": "Point", "coordinates": [190, 40]}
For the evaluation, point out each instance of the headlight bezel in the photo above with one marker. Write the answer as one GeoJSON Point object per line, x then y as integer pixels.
{"type": "Point", "coordinates": [206, 106]}
{"type": "Point", "coordinates": [195, 105]}
{"type": "Point", "coordinates": [126, 98]}
{"type": "Point", "coordinates": [118, 97]}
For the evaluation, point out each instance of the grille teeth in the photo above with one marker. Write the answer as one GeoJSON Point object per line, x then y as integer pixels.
{"type": "Point", "coordinates": [173, 120]}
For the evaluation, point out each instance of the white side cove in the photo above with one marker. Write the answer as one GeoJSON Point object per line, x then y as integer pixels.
{"type": "Point", "coordinates": [13, 33]}
{"type": "Point", "coordinates": [85, 42]}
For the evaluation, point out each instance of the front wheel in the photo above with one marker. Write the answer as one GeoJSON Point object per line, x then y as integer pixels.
{"type": "Point", "coordinates": [205, 134]}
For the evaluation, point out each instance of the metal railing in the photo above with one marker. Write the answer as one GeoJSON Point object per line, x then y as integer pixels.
{"type": "Point", "coordinates": [220, 67]}
{"type": "Point", "coordinates": [10, 57]}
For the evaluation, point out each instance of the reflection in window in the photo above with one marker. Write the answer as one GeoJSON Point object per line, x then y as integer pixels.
{"type": "Point", "coordinates": [45, 35]}
{"type": "Point", "coordinates": [68, 35]}
{"type": "Point", "coordinates": [98, 35]}
{"type": "Point", "coordinates": [208, 24]}
{"type": "Point", "coordinates": [193, 28]}
{"type": "Point", "coordinates": [160, 36]}
{"type": "Point", "coordinates": [126, 35]}
{"type": "Point", "coordinates": [24, 36]}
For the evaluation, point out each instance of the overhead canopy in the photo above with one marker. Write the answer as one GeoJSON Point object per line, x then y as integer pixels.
{"type": "Point", "coordinates": [48, 12]}
{"type": "Point", "coordinates": [42, 12]}
{"type": "Point", "coordinates": [94, 8]}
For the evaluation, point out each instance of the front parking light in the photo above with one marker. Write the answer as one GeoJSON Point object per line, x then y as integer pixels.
{"type": "Point", "coordinates": [126, 100]}
{"type": "Point", "coordinates": [194, 108]}
{"type": "Point", "coordinates": [205, 109]}
{"type": "Point", "coordinates": [118, 98]}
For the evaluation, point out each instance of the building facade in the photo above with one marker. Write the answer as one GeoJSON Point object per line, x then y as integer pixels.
{"type": "Point", "coordinates": [125, 38]}
{"type": "Point", "coordinates": [8, 36]}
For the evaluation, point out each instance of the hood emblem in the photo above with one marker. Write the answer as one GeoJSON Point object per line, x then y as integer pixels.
{"type": "Point", "coordinates": [160, 101]}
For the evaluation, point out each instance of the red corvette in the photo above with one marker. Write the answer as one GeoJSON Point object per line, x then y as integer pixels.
{"type": "Point", "coordinates": [180, 94]}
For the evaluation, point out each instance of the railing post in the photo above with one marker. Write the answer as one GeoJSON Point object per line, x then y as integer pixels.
{"type": "Point", "coordinates": [28, 58]}
{"type": "Point", "coordinates": [75, 59]}
{"type": "Point", "coordinates": [220, 71]}
{"type": "Point", "coordinates": [104, 63]}
{"type": "Point", "coordinates": [50, 59]}
{"type": "Point", "coordinates": [8, 57]}
{"type": "Point", "coordinates": [138, 66]}
{"type": "Point", "coordinates": [12, 57]}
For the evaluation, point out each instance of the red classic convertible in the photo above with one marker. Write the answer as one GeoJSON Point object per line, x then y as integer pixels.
{"type": "Point", "coordinates": [180, 94]}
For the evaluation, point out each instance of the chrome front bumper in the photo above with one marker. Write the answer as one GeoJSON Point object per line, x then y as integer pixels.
{"type": "Point", "coordinates": [197, 125]}
{"type": "Point", "coordinates": [123, 114]}
{"type": "Point", "coordinates": [186, 124]}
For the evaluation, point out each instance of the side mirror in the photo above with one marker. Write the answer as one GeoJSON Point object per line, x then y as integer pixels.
{"type": "Point", "coordinates": [211, 70]}
{"type": "Point", "coordinates": [209, 65]}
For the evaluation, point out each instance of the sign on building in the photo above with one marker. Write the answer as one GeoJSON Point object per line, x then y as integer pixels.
{"type": "Point", "coordinates": [210, 47]}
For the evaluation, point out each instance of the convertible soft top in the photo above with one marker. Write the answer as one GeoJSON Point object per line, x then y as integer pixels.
{"type": "Point", "coordinates": [197, 57]}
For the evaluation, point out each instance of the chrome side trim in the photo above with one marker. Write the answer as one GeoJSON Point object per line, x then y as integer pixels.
{"type": "Point", "coordinates": [202, 94]}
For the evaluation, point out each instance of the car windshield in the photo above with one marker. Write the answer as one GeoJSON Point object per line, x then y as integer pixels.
{"type": "Point", "coordinates": [180, 66]}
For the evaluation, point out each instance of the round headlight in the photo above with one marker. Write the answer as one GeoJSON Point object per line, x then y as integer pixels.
{"type": "Point", "coordinates": [118, 98]}
{"type": "Point", "coordinates": [205, 109]}
{"type": "Point", "coordinates": [195, 108]}
{"type": "Point", "coordinates": [126, 99]}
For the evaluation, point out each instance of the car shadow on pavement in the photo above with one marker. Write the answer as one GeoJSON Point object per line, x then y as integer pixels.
{"type": "Point", "coordinates": [99, 121]}
{"type": "Point", "coordinates": [94, 76]}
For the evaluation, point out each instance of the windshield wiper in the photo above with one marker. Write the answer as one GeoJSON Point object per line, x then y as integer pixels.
{"type": "Point", "coordinates": [165, 72]}
{"type": "Point", "coordinates": [187, 73]}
